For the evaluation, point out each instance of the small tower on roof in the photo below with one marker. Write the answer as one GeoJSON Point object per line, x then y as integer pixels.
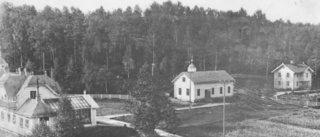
{"type": "Point", "coordinates": [192, 67]}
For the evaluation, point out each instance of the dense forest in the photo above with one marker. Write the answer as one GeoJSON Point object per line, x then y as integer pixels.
{"type": "Point", "coordinates": [102, 51]}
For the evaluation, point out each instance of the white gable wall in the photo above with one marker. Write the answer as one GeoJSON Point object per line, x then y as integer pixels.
{"type": "Point", "coordinates": [24, 94]}
{"type": "Point", "coordinates": [283, 79]}
{"type": "Point", "coordinates": [178, 83]}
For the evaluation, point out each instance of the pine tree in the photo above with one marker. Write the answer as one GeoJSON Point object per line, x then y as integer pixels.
{"type": "Point", "coordinates": [66, 124]}
{"type": "Point", "coordinates": [42, 130]}
{"type": "Point", "coordinates": [150, 108]}
{"type": "Point", "coordinates": [128, 61]}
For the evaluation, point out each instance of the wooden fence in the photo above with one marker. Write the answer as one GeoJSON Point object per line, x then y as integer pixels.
{"type": "Point", "coordinates": [306, 103]}
{"type": "Point", "coordinates": [106, 96]}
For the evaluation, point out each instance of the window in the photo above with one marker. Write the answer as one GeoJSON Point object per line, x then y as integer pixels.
{"type": "Point", "coordinates": [279, 83]}
{"type": "Point", "coordinates": [220, 90]}
{"type": "Point", "coordinates": [288, 75]}
{"type": "Point", "coordinates": [33, 94]}
{"type": "Point", "coordinates": [212, 91]}
{"type": "Point", "coordinates": [27, 123]}
{"type": "Point", "coordinates": [187, 92]}
{"type": "Point", "coordinates": [183, 79]}
{"type": "Point", "coordinates": [297, 83]}
{"type": "Point", "coordinates": [14, 119]}
{"type": "Point", "coordinates": [288, 83]}
{"type": "Point", "coordinates": [2, 116]}
{"type": "Point", "coordinates": [306, 74]}
{"type": "Point", "coordinates": [279, 74]}
{"type": "Point", "coordinates": [198, 92]}
{"type": "Point", "coordinates": [21, 122]}
{"type": "Point", "coordinates": [228, 89]}
{"type": "Point", "coordinates": [44, 120]}
{"type": "Point", "coordinates": [9, 117]}
{"type": "Point", "coordinates": [179, 91]}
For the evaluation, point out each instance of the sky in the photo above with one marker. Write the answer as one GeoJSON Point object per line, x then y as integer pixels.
{"type": "Point", "coordinates": [304, 11]}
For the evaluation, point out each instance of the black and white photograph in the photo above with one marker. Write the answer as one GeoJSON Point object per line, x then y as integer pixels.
{"type": "Point", "coordinates": [159, 68]}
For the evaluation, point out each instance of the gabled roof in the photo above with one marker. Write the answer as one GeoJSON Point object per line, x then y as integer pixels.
{"type": "Point", "coordinates": [201, 77]}
{"type": "Point", "coordinates": [296, 68]}
{"type": "Point", "coordinates": [33, 108]}
{"type": "Point", "coordinates": [15, 83]}
{"type": "Point", "coordinates": [2, 61]}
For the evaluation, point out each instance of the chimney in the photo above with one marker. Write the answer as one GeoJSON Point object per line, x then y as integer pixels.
{"type": "Point", "coordinates": [291, 62]}
{"type": "Point", "coordinates": [19, 71]}
{"type": "Point", "coordinates": [25, 72]}
{"type": "Point", "coordinates": [45, 72]}
{"type": "Point", "coordinates": [84, 92]}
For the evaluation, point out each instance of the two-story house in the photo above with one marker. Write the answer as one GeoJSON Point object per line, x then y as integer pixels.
{"type": "Point", "coordinates": [203, 84]}
{"type": "Point", "coordinates": [292, 76]}
{"type": "Point", "coordinates": [26, 100]}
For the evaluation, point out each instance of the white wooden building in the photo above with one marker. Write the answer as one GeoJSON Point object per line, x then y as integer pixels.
{"type": "Point", "coordinates": [24, 102]}
{"type": "Point", "coordinates": [292, 76]}
{"type": "Point", "coordinates": [203, 84]}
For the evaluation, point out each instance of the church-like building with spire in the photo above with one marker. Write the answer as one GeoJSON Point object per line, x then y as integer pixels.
{"type": "Point", "coordinates": [203, 84]}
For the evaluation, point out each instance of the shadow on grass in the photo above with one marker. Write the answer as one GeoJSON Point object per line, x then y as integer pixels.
{"type": "Point", "coordinates": [108, 131]}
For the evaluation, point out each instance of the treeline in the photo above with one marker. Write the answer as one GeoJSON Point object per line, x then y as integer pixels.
{"type": "Point", "coordinates": [103, 51]}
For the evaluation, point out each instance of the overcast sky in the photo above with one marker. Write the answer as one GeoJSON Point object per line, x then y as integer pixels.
{"type": "Point", "coordinates": [305, 11]}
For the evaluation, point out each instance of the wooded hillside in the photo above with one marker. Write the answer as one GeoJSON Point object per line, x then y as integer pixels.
{"type": "Point", "coordinates": [105, 50]}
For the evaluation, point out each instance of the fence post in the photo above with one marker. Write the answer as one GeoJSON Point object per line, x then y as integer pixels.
{"type": "Point", "coordinates": [119, 96]}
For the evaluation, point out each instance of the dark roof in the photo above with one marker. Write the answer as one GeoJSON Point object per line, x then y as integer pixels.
{"type": "Point", "coordinates": [77, 102]}
{"type": "Point", "coordinates": [201, 77]}
{"type": "Point", "coordinates": [43, 79]}
{"type": "Point", "coordinates": [2, 61]}
{"type": "Point", "coordinates": [296, 68]}
{"type": "Point", "coordinates": [32, 108]}
{"type": "Point", "coordinates": [13, 85]}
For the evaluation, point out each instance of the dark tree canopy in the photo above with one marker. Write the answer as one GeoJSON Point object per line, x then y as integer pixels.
{"type": "Point", "coordinates": [77, 47]}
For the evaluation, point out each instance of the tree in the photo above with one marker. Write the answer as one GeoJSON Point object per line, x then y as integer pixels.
{"type": "Point", "coordinates": [128, 61]}
{"type": "Point", "coordinates": [42, 130]}
{"type": "Point", "coordinates": [67, 124]}
{"type": "Point", "coordinates": [150, 108]}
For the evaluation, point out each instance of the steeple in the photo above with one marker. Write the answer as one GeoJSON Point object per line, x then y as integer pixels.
{"type": "Point", "coordinates": [192, 67]}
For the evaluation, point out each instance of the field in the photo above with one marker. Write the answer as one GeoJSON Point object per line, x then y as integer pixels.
{"type": "Point", "coordinates": [307, 118]}
{"type": "Point", "coordinates": [208, 122]}
{"type": "Point", "coordinates": [4, 133]}
{"type": "Point", "coordinates": [262, 128]}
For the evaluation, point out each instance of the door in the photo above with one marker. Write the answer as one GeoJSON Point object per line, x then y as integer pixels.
{"type": "Point", "coordinates": [207, 93]}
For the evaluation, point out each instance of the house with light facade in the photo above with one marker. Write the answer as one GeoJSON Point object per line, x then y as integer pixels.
{"type": "Point", "coordinates": [292, 76]}
{"type": "Point", "coordinates": [194, 85]}
{"type": "Point", "coordinates": [27, 99]}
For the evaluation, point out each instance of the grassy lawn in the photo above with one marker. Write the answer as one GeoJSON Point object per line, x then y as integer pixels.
{"type": "Point", "coordinates": [207, 122]}
{"type": "Point", "coordinates": [261, 128]}
{"type": "Point", "coordinates": [4, 133]}
{"type": "Point", "coordinates": [308, 118]}
{"type": "Point", "coordinates": [110, 107]}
